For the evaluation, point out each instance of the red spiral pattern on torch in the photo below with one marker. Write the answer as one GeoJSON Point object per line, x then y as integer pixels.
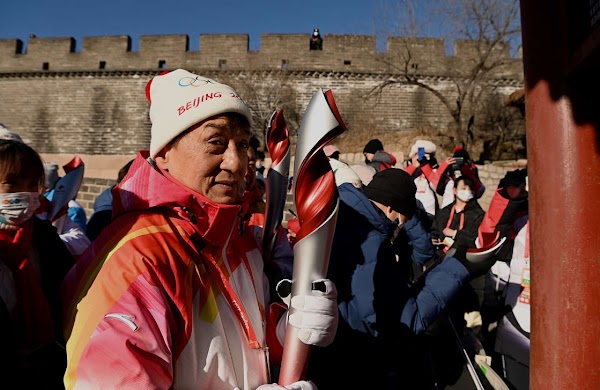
{"type": "Point", "coordinates": [278, 141]}
{"type": "Point", "coordinates": [316, 192]}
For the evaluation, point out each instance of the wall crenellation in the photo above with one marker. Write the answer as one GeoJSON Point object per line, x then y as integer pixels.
{"type": "Point", "coordinates": [344, 53]}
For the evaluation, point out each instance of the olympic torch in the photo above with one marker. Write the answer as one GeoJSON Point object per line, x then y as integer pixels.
{"type": "Point", "coordinates": [278, 144]}
{"type": "Point", "coordinates": [317, 202]}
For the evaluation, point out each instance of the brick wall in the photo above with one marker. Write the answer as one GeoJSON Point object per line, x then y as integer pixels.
{"type": "Point", "coordinates": [89, 191]}
{"type": "Point", "coordinates": [107, 113]}
{"type": "Point", "coordinates": [341, 53]}
{"type": "Point", "coordinates": [92, 101]}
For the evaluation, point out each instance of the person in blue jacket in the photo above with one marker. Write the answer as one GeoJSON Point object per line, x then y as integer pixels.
{"type": "Point", "coordinates": [382, 309]}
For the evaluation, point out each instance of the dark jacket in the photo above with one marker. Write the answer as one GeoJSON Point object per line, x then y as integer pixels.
{"type": "Point", "coordinates": [382, 160]}
{"type": "Point", "coordinates": [42, 366]}
{"type": "Point", "coordinates": [472, 296]}
{"type": "Point", "coordinates": [102, 215]}
{"type": "Point", "coordinates": [380, 315]}
{"type": "Point", "coordinates": [473, 215]}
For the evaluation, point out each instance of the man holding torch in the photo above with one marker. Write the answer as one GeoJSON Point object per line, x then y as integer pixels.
{"type": "Point", "coordinates": [171, 294]}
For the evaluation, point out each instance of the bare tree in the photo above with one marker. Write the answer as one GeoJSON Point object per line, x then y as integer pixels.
{"type": "Point", "coordinates": [490, 26]}
{"type": "Point", "coordinates": [264, 91]}
{"type": "Point", "coordinates": [506, 119]}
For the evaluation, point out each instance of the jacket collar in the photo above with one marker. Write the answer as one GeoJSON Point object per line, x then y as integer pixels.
{"type": "Point", "coordinates": [146, 186]}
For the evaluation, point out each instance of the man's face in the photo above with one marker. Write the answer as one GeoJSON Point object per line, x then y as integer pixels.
{"type": "Point", "coordinates": [210, 159]}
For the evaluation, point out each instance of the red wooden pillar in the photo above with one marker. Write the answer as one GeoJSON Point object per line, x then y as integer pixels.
{"type": "Point", "coordinates": [563, 149]}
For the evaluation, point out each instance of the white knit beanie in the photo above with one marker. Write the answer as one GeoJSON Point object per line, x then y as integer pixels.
{"type": "Point", "coordinates": [180, 99]}
{"type": "Point", "coordinates": [422, 143]}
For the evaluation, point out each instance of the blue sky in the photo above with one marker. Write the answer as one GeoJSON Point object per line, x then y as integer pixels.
{"type": "Point", "coordinates": [79, 18]}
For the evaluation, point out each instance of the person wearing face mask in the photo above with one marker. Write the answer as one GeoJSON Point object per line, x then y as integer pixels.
{"type": "Point", "coordinates": [383, 311]}
{"type": "Point", "coordinates": [316, 41]}
{"type": "Point", "coordinates": [33, 263]}
{"type": "Point", "coordinates": [460, 164]}
{"type": "Point", "coordinates": [457, 225]}
{"type": "Point", "coordinates": [460, 220]}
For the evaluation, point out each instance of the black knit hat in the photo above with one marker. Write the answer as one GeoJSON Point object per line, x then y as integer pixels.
{"type": "Point", "coordinates": [395, 188]}
{"type": "Point", "coordinates": [373, 146]}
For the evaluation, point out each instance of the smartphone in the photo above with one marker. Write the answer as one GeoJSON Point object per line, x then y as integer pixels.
{"type": "Point", "coordinates": [459, 160]}
{"type": "Point", "coordinates": [420, 153]}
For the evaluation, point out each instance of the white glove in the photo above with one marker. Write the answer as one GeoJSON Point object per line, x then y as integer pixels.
{"type": "Point", "coordinates": [300, 385]}
{"type": "Point", "coordinates": [316, 314]}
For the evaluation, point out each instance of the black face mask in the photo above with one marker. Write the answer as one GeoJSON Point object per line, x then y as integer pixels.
{"type": "Point", "coordinates": [433, 162]}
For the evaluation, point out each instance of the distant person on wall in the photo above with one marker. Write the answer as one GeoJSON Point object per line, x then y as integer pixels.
{"type": "Point", "coordinates": [316, 42]}
{"type": "Point", "coordinates": [376, 157]}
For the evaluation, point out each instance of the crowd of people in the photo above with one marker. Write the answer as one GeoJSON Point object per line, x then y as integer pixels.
{"type": "Point", "coordinates": [437, 306]}
{"type": "Point", "coordinates": [165, 285]}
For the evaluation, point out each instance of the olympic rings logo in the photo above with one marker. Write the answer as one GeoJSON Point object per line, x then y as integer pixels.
{"type": "Point", "coordinates": [193, 82]}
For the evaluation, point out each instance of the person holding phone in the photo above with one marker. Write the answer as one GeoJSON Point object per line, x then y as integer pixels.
{"type": "Point", "coordinates": [460, 164]}
{"type": "Point", "coordinates": [422, 166]}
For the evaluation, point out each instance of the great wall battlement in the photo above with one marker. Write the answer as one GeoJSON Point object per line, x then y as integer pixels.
{"type": "Point", "coordinates": [65, 99]}
{"type": "Point", "coordinates": [341, 53]}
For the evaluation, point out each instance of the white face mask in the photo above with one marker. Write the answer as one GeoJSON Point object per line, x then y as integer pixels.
{"type": "Point", "coordinates": [16, 208]}
{"type": "Point", "coordinates": [464, 195]}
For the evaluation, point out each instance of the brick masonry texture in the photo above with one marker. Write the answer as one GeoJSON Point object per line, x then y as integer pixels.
{"type": "Point", "coordinates": [66, 97]}
{"type": "Point", "coordinates": [92, 101]}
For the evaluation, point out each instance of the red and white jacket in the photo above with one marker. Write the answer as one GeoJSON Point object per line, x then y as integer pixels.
{"type": "Point", "coordinates": [426, 180]}
{"type": "Point", "coordinates": [171, 295]}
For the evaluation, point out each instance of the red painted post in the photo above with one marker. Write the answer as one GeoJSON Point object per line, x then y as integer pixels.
{"type": "Point", "coordinates": [563, 151]}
